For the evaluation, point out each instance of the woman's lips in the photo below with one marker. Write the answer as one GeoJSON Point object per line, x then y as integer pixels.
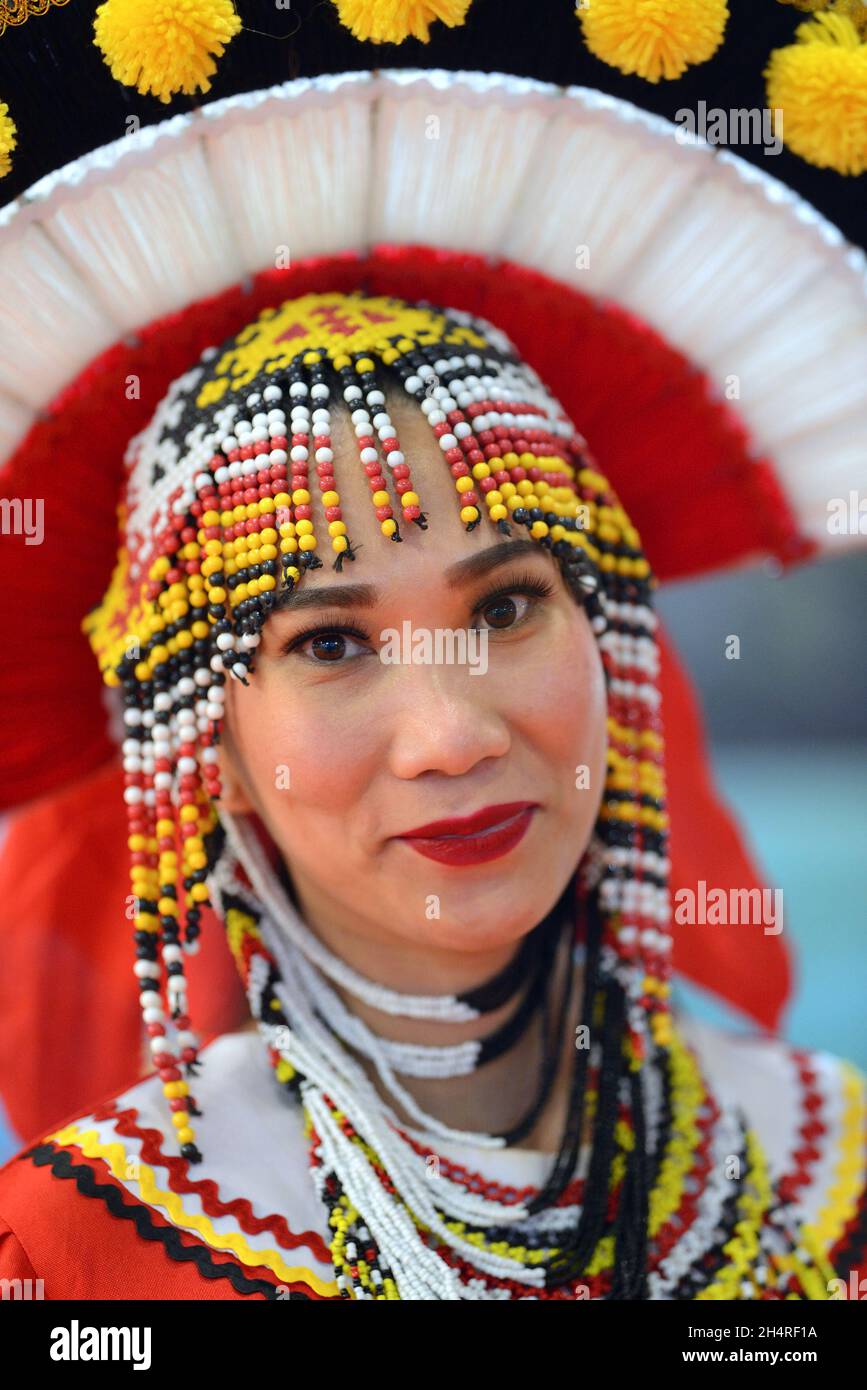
{"type": "Point", "coordinates": [488, 834]}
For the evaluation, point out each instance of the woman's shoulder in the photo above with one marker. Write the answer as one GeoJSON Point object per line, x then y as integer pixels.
{"type": "Point", "coordinates": [808, 1109]}
{"type": "Point", "coordinates": [104, 1206]}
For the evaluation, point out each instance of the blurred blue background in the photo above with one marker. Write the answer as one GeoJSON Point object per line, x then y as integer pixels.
{"type": "Point", "coordinates": [787, 731]}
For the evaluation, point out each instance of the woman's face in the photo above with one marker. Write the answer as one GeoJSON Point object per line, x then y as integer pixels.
{"type": "Point", "coordinates": [341, 752]}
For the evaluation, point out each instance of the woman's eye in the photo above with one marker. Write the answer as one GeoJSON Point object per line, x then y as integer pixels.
{"type": "Point", "coordinates": [506, 610]}
{"type": "Point", "coordinates": [328, 647]}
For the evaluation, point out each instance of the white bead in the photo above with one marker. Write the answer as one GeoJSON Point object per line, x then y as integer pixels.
{"type": "Point", "coordinates": [447, 441]}
{"type": "Point", "coordinates": [147, 970]}
{"type": "Point", "coordinates": [133, 796]}
{"type": "Point", "coordinates": [272, 393]}
{"type": "Point", "coordinates": [413, 384]}
{"type": "Point", "coordinates": [394, 458]}
{"type": "Point", "coordinates": [225, 643]}
{"type": "Point", "coordinates": [324, 455]}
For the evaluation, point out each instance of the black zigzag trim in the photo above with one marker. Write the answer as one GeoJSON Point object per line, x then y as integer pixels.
{"type": "Point", "coordinates": [62, 1167]}
{"type": "Point", "coordinates": [851, 1253]}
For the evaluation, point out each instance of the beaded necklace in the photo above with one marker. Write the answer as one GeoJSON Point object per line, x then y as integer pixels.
{"type": "Point", "coordinates": [407, 1221]}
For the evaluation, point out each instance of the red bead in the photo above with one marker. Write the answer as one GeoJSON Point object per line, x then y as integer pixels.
{"type": "Point", "coordinates": [412, 511]}
{"type": "Point", "coordinates": [383, 513]}
{"type": "Point", "coordinates": [304, 513]}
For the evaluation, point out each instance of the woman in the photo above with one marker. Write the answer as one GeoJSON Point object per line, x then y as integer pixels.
{"type": "Point", "coordinates": [442, 869]}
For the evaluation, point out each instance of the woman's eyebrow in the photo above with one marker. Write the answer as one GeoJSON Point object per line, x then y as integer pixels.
{"type": "Point", "coordinates": [367, 595]}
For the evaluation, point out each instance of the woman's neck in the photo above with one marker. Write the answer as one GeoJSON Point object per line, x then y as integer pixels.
{"type": "Point", "coordinates": [499, 1093]}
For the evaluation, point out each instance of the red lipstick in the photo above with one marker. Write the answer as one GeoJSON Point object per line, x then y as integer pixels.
{"type": "Point", "coordinates": [487, 834]}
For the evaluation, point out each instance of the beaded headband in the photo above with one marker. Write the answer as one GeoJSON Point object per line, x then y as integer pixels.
{"type": "Point", "coordinates": [217, 514]}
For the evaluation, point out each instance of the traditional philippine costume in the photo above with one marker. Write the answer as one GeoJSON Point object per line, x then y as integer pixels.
{"type": "Point", "coordinates": [265, 1163]}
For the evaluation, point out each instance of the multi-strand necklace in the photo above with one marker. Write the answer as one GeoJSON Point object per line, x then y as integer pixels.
{"type": "Point", "coordinates": [684, 1207]}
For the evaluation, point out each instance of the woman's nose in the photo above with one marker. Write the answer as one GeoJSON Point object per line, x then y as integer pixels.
{"type": "Point", "coordinates": [442, 719]}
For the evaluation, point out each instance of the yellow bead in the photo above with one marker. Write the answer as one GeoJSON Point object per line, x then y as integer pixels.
{"type": "Point", "coordinates": [493, 497]}
{"type": "Point", "coordinates": [304, 528]}
{"type": "Point", "coordinates": [184, 639]}
{"type": "Point", "coordinates": [507, 490]}
{"type": "Point", "coordinates": [499, 513]}
{"type": "Point", "coordinates": [341, 361]}
{"type": "Point", "coordinates": [339, 544]}
{"type": "Point", "coordinates": [252, 588]}
{"type": "Point", "coordinates": [189, 813]}
{"type": "Point", "coordinates": [300, 497]}
{"type": "Point", "coordinates": [180, 1119]}
{"type": "Point", "coordinates": [167, 907]}
{"type": "Point", "coordinates": [337, 528]}
{"type": "Point", "coordinates": [265, 505]}
{"type": "Point", "coordinates": [409, 499]}
{"type": "Point", "coordinates": [266, 583]}
{"type": "Point", "coordinates": [199, 892]}
{"type": "Point", "coordinates": [388, 527]}
{"type": "Point", "coordinates": [464, 484]}
{"type": "Point", "coordinates": [213, 548]}
{"type": "Point", "coordinates": [525, 487]}
{"type": "Point", "coordinates": [365, 364]}
{"type": "Point", "coordinates": [481, 470]}
{"type": "Point", "coordinates": [381, 499]}
{"type": "Point", "coordinates": [331, 498]}
{"type": "Point", "coordinates": [186, 1135]}
{"type": "Point", "coordinates": [282, 499]}
{"type": "Point", "coordinates": [469, 514]}
{"type": "Point", "coordinates": [212, 566]}
{"type": "Point", "coordinates": [307, 542]}
{"type": "Point", "coordinates": [538, 529]}
{"type": "Point", "coordinates": [142, 671]}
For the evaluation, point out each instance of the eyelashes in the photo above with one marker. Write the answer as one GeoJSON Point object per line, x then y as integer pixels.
{"type": "Point", "coordinates": [530, 585]}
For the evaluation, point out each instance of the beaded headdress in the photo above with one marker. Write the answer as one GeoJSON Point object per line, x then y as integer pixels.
{"type": "Point", "coordinates": [218, 513]}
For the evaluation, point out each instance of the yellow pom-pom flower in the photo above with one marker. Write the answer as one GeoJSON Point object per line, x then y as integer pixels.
{"type": "Point", "coordinates": [653, 39]}
{"type": "Point", "coordinates": [819, 84]}
{"type": "Point", "coordinates": [392, 21]}
{"type": "Point", "coordinates": [163, 47]}
{"type": "Point", "coordinates": [8, 139]}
